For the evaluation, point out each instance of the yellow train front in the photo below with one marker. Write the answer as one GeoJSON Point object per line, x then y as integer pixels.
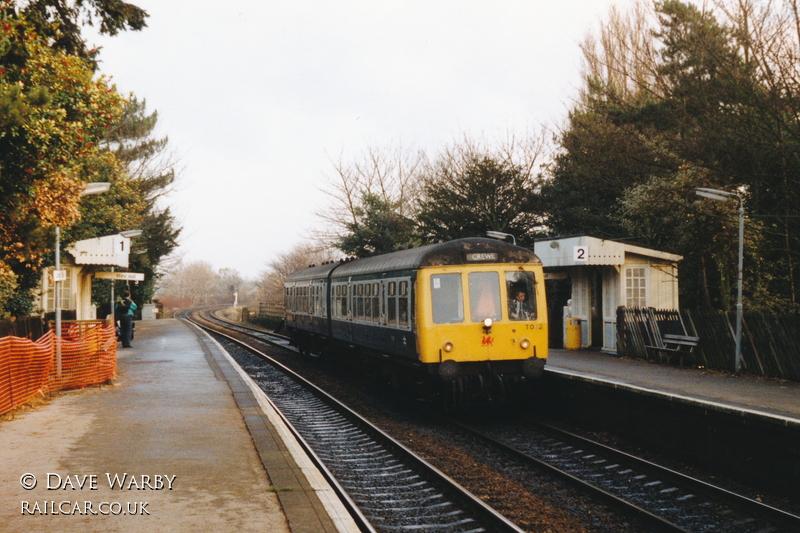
{"type": "Point", "coordinates": [465, 318]}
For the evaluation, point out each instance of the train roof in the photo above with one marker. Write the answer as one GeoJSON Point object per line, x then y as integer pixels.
{"type": "Point", "coordinates": [457, 252]}
{"type": "Point", "coordinates": [313, 272]}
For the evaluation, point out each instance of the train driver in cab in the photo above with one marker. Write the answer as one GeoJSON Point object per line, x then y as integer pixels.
{"type": "Point", "coordinates": [519, 308]}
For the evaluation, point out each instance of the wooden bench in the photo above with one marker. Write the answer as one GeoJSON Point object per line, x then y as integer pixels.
{"type": "Point", "coordinates": [669, 345]}
{"type": "Point", "coordinates": [679, 341]}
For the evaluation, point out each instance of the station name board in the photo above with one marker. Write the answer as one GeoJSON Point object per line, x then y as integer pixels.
{"type": "Point", "coordinates": [120, 276]}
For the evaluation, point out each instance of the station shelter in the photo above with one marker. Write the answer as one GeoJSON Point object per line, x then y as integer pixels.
{"type": "Point", "coordinates": [589, 278]}
{"type": "Point", "coordinates": [82, 261]}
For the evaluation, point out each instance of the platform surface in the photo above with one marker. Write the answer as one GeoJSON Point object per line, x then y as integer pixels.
{"type": "Point", "coordinates": [179, 443]}
{"type": "Point", "coordinates": [767, 397]}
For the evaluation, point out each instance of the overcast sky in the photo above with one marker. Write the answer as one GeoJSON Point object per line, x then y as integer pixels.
{"type": "Point", "coordinates": [259, 97]}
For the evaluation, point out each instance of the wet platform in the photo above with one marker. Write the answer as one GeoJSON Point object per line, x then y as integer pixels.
{"type": "Point", "coordinates": [183, 441]}
{"type": "Point", "coordinates": [749, 395]}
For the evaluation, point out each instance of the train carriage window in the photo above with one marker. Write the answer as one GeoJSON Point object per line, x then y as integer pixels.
{"type": "Point", "coordinates": [359, 302]}
{"type": "Point", "coordinates": [403, 306]}
{"type": "Point", "coordinates": [376, 302]}
{"type": "Point", "coordinates": [521, 290]}
{"type": "Point", "coordinates": [391, 303]}
{"type": "Point", "coordinates": [340, 305]}
{"type": "Point", "coordinates": [447, 299]}
{"type": "Point", "coordinates": [367, 302]}
{"type": "Point", "coordinates": [484, 296]}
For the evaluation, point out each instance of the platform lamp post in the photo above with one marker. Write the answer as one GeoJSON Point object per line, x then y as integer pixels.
{"type": "Point", "coordinates": [129, 234]}
{"type": "Point", "coordinates": [502, 236]}
{"type": "Point", "coordinates": [722, 196]}
{"type": "Point", "coordinates": [59, 276]}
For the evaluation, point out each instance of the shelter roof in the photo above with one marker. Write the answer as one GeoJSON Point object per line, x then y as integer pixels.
{"type": "Point", "coordinates": [587, 250]}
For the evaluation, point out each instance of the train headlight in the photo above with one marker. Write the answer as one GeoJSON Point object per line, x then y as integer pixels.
{"type": "Point", "coordinates": [525, 344]}
{"type": "Point", "coordinates": [487, 322]}
{"type": "Point", "coordinates": [448, 347]}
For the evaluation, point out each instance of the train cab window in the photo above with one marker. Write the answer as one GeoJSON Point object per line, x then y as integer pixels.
{"type": "Point", "coordinates": [484, 296]}
{"type": "Point", "coordinates": [447, 299]}
{"type": "Point", "coordinates": [521, 290]}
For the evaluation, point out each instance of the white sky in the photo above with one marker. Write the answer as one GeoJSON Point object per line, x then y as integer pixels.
{"type": "Point", "coordinates": [259, 97]}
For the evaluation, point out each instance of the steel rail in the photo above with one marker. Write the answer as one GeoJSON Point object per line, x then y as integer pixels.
{"type": "Point", "coordinates": [493, 520]}
{"type": "Point", "coordinates": [763, 511]}
{"type": "Point", "coordinates": [739, 501]}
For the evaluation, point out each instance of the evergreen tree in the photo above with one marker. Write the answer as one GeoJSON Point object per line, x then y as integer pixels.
{"type": "Point", "coordinates": [702, 103]}
{"type": "Point", "coordinates": [150, 168]}
{"type": "Point", "coordinates": [379, 228]}
{"type": "Point", "coordinates": [469, 193]}
{"type": "Point", "coordinates": [59, 21]}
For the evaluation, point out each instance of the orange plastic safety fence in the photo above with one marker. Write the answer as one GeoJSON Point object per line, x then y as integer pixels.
{"type": "Point", "coordinates": [87, 356]}
{"type": "Point", "coordinates": [24, 369]}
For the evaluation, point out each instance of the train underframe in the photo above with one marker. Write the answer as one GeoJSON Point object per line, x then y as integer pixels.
{"type": "Point", "coordinates": [451, 385]}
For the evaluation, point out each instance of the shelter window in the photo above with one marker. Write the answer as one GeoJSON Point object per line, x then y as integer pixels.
{"type": "Point", "coordinates": [636, 287]}
{"type": "Point", "coordinates": [521, 291]}
{"type": "Point", "coordinates": [447, 299]}
{"type": "Point", "coordinates": [484, 296]}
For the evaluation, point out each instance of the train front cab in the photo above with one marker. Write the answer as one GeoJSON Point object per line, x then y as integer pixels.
{"type": "Point", "coordinates": [472, 325]}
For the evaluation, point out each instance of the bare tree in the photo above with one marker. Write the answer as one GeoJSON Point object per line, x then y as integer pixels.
{"type": "Point", "coordinates": [195, 282]}
{"type": "Point", "coordinates": [392, 174]}
{"type": "Point", "coordinates": [271, 281]}
{"type": "Point", "coordinates": [622, 56]}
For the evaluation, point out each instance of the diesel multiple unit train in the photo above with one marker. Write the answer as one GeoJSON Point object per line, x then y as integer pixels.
{"type": "Point", "coordinates": [466, 319]}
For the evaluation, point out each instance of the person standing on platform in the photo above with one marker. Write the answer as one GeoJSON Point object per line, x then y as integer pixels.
{"type": "Point", "coordinates": [125, 310]}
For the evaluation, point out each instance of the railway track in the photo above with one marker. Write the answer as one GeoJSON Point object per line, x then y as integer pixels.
{"type": "Point", "coordinates": [665, 499]}
{"type": "Point", "coordinates": [388, 488]}
{"type": "Point", "coordinates": [662, 499]}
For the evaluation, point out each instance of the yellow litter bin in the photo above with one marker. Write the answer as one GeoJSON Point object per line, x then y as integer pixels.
{"type": "Point", "coordinates": [573, 334]}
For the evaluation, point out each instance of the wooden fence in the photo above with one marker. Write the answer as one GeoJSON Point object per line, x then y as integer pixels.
{"type": "Point", "coordinates": [32, 328]}
{"type": "Point", "coordinates": [770, 343]}
{"type": "Point", "coordinates": [270, 309]}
